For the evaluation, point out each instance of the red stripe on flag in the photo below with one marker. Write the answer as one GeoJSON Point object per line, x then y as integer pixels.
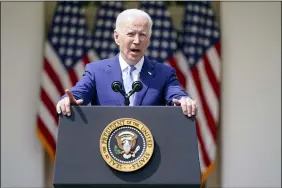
{"type": "Point", "coordinates": [202, 146]}
{"type": "Point", "coordinates": [73, 76]}
{"type": "Point", "coordinates": [49, 104]}
{"type": "Point", "coordinates": [210, 120]}
{"type": "Point", "coordinates": [46, 134]}
{"type": "Point", "coordinates": [179, 74]}
{"type": "Point", "coordinates": [86, 59]}
{"type": "Point", "coordinates": [211, 76]}
{"type": "Point", "coordinates": [218, 48]}
{"type": "Point", "coordinates": [53, 76]}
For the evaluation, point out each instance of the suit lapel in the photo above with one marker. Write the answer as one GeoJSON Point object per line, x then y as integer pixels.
{"type": "Point", "coordinates": [114, 73]}
{"type": "Point", "coordinates": [146, 75]}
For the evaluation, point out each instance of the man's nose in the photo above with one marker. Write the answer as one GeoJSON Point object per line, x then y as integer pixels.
{"type": "Point", "coordinates": [136, 39]}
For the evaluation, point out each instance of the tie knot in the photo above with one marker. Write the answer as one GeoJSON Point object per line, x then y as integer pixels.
{"type": "Point", "coordinates": [131, 69]}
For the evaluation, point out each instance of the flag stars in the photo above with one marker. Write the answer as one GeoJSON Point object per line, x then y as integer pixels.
{"type": "Point", "coordinates": [106, 34]}
{"type": "Point", "coordinates": [151, 11]}
{"type": "Point", "coordinates": [66, 19]}
{"type": "Point", "coordinates": [71, 41]}
{"type": "Point", "coordinates": [167, 13]}
{"type": "Point", "coordinates": [74, 10]}
{"type": "Point", "coordinates": [102, 12]}
{"type": "Point", "coordinates": [68, 62]}
{"type": "Point", "coordinates": [64, 30]}
{"type": "Point", "coordinates": [88, 43]}
{"type": "Point", "coordinates": [195, 18]}
{"type": "Point", "coordinates": [54, 40]}
{"type": "Point", "coordinates": [67, 9]}
{"type": "Point", "coordinates": [164, 55]}
{"type": "Point", "coordinates": [81, 21]}
{"type": "Point", "coordinates": [79, 42]}
{"type": "Point", "coordinates": [81, 32]}
{"type": "Point", "coordinates": [216, 34]}
{"type": "Point", "coordinates": [57, 19]}
{"type": "Point", "coordinates": [173, 45]}
{"type": "Point", "coordinates": [154, 53]}
{"type": "Point", "coordinates": [56, 29]}
{"type": "Point", "coordinates": [113, 46]}
{"type": "Point", "coordinates": [78, 52]}
{"type": "Point", "coordinates": [110, 13]}
{"type": "Point", "coordinates": [97, 44]}
{"type": "Point", "coordinates": [104, 54]}
{"type": "Point", "coordinates": [62, 51]}
{"type": "Point", "coordinates": [108, 24]}
{"type": "Point", "coordinates": [98, 33]}
{"type": "Point", "coordinates": [156, 43]}
{"type": "Point", "coordinates": [74, 20]}
{"type": "Point", "coordinates": [196, 8]}
{"type": "Point", "coordinates": [69, 51]}
{"type": "Point", "coordinates": [72, 30]}
{"type": "Point", "coordinates": [63, 40]}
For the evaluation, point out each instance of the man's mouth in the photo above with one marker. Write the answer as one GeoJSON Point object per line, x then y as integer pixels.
{"type": "Point", "coordinates": [135, 50]}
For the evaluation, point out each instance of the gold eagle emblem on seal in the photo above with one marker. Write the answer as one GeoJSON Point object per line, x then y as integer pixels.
{"type": "Point", "coordinates": [126, 144]}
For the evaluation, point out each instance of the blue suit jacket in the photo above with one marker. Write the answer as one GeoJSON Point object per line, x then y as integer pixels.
{"type": "Point", "coordinates": [160, 84]}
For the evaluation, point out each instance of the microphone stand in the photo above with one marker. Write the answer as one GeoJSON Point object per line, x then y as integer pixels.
{"type": "Point", "coordinates": [117, 87]}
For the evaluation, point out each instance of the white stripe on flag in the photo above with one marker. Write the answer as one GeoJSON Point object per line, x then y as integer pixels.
{"type": "Point", "coordinates": [48, 120]}
{"type": "Point", "coordinates": [214, 61]}
{"type": "Point", "coordinates": [79, 69]}
{"type": "Point", "coordinates": [183, 66]}
{"type": "Point", "coordinates": [203, 124]}
{"type": "Point", "coordinates": [50, 88]}
{"type": "Point", "coordinates": [208, 92]}
{"type": "Point", "coordinates": [57, 66]}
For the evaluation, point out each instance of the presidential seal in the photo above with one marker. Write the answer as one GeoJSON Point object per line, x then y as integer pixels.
{"type": "Point", "coordinates": [126, 144]}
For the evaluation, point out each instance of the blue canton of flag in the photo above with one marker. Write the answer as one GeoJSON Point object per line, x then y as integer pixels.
{"type": "Point", "coordinates": [69, 34]}
{"type": "Point", "coordinates": [103, 40]}
{"type": "Point", "coordinates": [164, 38]}
{"type": "Point", "coordinates": [200, 31]}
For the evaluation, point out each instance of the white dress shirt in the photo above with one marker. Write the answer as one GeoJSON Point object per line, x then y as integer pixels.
{"type": "Point", "coordinates": [135, 74]}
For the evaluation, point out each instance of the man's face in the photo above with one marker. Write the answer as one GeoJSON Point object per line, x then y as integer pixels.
{"type": "Point", "coordinates": [133, 39]}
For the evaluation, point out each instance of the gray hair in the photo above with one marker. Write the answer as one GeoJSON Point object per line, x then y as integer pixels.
{"type": "Point", "coordinates": [133, 13]}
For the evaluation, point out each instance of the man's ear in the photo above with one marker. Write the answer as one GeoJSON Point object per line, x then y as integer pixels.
{"type": "Point", "coordinates": [116, 37]}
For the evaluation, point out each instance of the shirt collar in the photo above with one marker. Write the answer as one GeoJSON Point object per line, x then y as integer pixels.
{"type": "Point", "coordinates": [124, 65]}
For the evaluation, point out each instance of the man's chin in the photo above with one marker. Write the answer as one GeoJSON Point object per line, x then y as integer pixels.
{"type": "Point", "coordinates": [134, 59]}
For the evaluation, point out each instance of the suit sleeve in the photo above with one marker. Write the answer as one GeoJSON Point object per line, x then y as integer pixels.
{"type": "Point", "coordinates": [173, 89]}
{"type": "Point", "coordinates": [85, 87]}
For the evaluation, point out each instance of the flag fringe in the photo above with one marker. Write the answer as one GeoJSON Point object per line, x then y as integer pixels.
{"type": "Point", "coordinates": [46, 145]}
{"type": "Point", "coordinates": [207, 173]}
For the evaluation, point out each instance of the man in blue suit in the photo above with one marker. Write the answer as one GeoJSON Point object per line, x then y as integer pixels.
{"type": "Point", "coordinates": [160, 85]}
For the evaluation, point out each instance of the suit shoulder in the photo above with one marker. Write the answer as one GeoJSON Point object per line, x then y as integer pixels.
{"type": "Point", "coordinates": [162, 67]}
{"type": "Point", "coordinates": [100, 64]}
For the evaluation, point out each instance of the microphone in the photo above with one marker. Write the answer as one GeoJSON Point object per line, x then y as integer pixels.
{"type": "Point", "coordinates": [117, 87]}
{"type": "Point", "coordinates": [136, 87]}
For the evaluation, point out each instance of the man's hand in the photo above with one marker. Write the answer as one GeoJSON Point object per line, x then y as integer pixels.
{"type": "Point", "coordinates": [63, 106]}
{"type": "Point", "coordinates": [188, 105]}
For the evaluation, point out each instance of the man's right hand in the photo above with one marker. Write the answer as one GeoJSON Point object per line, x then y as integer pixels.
{"type": "Point", "coordinates": [63, 106]}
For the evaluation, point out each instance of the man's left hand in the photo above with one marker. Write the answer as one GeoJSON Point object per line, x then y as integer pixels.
{"type": "Point", "coordinates": [188, 105]}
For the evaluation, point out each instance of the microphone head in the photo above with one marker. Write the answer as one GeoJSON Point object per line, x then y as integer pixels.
{"type": "Point", "coordinates": [116, 86]}
{"type": "Point", "coordinates": [137, 86]}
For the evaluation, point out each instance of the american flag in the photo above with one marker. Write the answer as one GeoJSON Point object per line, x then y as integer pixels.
{"type": "Point", "coordinates": [67, 50]}
{"type": "Point", "coordinates": [104, 25]}
{"type": "Point", "coordinates": [195, 56]}
{"type": "Point", "coordinates": [199, 62]}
